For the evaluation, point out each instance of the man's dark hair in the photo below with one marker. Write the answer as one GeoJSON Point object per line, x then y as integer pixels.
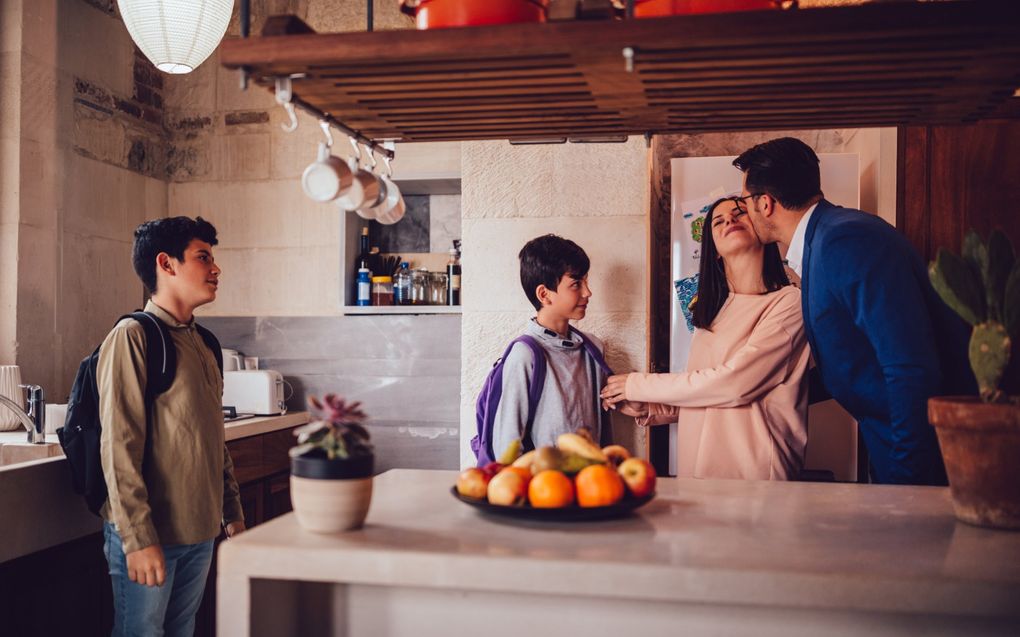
{"type": "Point", "coordinates": [785, 168]}
{"type": "Point", "coordinates": [713, 290]}
{"type": "Point", "coordinates": [547, 259]}
{"type": "Point", "coordinates": [171, 235]}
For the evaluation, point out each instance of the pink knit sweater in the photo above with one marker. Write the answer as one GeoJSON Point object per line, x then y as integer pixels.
{"type": "Point", "coordinates": [742, 405]}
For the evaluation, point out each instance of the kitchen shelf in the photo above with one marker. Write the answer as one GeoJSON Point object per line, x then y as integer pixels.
{"type": "Point", "coordinates": [883, 64]}
{"type": "Point", "coordinates": [402, 309]}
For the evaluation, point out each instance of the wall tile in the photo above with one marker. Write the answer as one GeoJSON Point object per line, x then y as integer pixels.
{"type": "Point", "coordinates": [444, 221]}
{"type": "Point", "coordinates": [241, 157]}
{"type": "Point", "coordinates": [94, 45]}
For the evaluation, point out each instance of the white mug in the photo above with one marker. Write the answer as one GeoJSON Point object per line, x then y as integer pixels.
{"type": "Point", "coordinates": [251, 362]}
{"type": "Point", "coordinates": [328, 177]}
{"type": "Point", "coordinates": [10, 387]}
{"type": "Point", "coordinates": [232, 361]}
{"type": "Point", "coordinates": [391, 207]}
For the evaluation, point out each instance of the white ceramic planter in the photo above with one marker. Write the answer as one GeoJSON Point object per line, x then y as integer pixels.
{"type": "Point", "coordinates": [330, 505]}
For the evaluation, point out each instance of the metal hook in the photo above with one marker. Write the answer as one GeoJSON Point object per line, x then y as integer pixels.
{"type": "Point", "coordinates": [371, 156]}
{"type": "Point", "coordinates": [628, 59]}
{"type": "Point", "coordinates": [357, 149]}
{"type": "Point", "coordinates": [283, 97]}
{"type": "Point", "coordinates": [324, 124]}
{"type": "Point", "coordinates": [389, 168]}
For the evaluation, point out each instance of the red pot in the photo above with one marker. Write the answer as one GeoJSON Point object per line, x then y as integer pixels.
{"type": "Point", "coordinates": [439, 14]}
{"type": "Point", "coordinates": [981, 448]}
{"type": "Point", "coordinates": [659, 8]}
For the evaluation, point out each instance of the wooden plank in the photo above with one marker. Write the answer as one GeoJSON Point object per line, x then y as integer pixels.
{"type": "Point", "coordinates": [876, 64]}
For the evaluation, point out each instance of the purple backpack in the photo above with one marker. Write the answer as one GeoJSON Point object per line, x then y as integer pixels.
{"type": "Point", "coordinates": [492, 391]}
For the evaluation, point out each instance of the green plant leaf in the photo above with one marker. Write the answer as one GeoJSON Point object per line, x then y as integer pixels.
{"type": "Point", "coordinates": [1000, 263]}
{"type": "Point", "coordinates": [958, 286]}
{"type": "Point", "coordinates": [989, 353]}
{"type": "Point", "coordinates": [1011, 303]}
{"type": "Point", "coordinates": [974, 251]}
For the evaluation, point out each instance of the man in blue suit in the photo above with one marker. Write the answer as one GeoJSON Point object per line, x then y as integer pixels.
{"type": "Point", "coordinates": [883, 341]}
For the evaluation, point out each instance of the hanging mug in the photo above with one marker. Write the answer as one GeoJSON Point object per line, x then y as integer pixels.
{"type": "Point", "coordinates": [365, 187]}
{"type": "Point", "coordinates": [328, 177]}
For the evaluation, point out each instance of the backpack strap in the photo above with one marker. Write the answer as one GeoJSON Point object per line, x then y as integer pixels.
{"type": "Point", "coordinates": [593, 351]}
{"type": "Point", "coordinates": [160, 354]}
{"type": "Point", "coordinates": [534, 390]}
{"type": "Point", "coordinates": [212, 343]}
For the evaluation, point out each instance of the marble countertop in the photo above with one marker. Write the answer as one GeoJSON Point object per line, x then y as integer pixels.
{"type": "Point", "coordinates": [806, 545]}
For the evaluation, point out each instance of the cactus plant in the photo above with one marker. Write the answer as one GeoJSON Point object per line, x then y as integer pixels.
{"type": "Point", "coordinates": [983, 287]}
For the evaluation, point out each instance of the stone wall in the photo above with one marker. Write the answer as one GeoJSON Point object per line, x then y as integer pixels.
{"type": "Point", "coordinates": [594, 194]}
{"type": "Point", "coordinates": [81, 168]}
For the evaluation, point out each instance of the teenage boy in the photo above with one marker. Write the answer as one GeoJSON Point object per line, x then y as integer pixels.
{"type": "Point", "coordinates": [169, 475]}
{"type": "Point", "coordinates": [554, 274]}
{"type": "Point", "coordinates": [882, 339]}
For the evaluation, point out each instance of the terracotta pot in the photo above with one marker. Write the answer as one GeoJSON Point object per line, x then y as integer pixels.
{"type": "Point", "coordinates": [981, 449]}
{"type": "Point", "coordinates": [438, 14]}
{"type": "Point", "coordinates": [659, 8]}
{"type": "Point", "coordinates": [330, 496]}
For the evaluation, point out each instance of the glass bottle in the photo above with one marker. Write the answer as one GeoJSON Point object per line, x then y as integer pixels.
{"type": "Point", "coordinates": [361, 261]}
{"type": "Point", "coordinates": [420, 287]}
{"type": "Point", "coordinates": [453, 278]}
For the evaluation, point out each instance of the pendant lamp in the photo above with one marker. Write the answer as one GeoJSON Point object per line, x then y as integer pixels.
{"type": "Point", "coordinates": [176, 35]}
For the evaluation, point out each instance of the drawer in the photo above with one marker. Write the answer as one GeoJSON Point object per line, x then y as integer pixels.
{"type": "Point", "coordinates": [247, 456]}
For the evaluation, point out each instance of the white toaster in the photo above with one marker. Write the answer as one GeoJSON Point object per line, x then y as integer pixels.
{"type": "Point", "coordinates": [254, 391]}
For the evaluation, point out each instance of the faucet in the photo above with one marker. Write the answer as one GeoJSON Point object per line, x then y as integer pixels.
{"type": "Point", "coordinates": [34, 418]}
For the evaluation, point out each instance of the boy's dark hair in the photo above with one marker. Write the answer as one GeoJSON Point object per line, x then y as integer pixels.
{"type": "Point", "coordinates": [171, 235]}
{"type": "Point", "coordinates": [547, 259]}
{"type": "Point", "coordinates": [785, 168]}
{"type": "Point", "coordinates": [713, 290]}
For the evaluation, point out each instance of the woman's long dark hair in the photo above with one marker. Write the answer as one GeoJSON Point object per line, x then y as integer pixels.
{"type": "Point", "coordinates": [712, 287]}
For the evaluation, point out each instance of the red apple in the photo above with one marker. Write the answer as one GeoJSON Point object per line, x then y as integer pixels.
{"type": "Point", "coordinates": [473, 483]}
{"type": "Point", "coordinates": [616, 454]}
{"type": "Point", "coordinates": [492, 468]}
{"type": "Point", "coordinates": [638, 475]}
{"type": "Point", "coordinates": [507, 488]}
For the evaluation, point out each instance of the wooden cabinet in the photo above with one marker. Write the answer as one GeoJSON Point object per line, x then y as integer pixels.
{"type": "Point", "coordinates": [74, 575]}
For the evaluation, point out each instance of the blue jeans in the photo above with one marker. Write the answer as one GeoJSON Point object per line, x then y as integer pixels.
{"type": "Point", "coordinates": [158, 610]}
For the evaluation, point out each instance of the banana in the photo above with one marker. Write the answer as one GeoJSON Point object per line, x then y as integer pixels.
{"type": "Point", "coordinates": [511, 453]}
{"type": "Point", "coordinates": [525, 460]}
{"type": "Point", "coordinates": [578, 445]}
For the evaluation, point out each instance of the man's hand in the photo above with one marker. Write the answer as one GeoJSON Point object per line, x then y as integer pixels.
{"type": "Point", "coordinates": [147, 566]}
{"type": "Point", "coordinates": [234, 528]}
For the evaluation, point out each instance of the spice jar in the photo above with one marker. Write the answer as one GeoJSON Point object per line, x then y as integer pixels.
{"type": "Point", "coordinates": [419, 287]}
{"type": "Point", "coordinates": [437, 288]}
{"type": "Point", "coordinates": [382, 290]}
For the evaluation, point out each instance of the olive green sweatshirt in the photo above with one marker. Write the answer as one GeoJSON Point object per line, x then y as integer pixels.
{"type": "Point", "coordinates": [173, 481]}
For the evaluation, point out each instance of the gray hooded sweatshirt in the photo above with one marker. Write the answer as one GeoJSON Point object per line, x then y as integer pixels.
{"type": "Point", "coordinates": [570, 396]}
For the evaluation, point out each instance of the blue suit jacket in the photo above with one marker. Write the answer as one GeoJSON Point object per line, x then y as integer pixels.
{"type": "Point", "coordinates": [882, 339]}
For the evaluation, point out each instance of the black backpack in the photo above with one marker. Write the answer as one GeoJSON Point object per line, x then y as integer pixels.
{"type": "Point", "coordinates": [79, 437]}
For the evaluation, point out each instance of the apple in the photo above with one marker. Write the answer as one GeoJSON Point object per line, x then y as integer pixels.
{"type": "Point", "coordinates": [638, 475]}
{"type": "Point", "coordinates": [507, 488]}
{"type": "Point", "coordinates": [473, 483]}
{"type": "Point", "coordinates": [493, 468]}
{"type": "Point", "coordinates": [616, 454]}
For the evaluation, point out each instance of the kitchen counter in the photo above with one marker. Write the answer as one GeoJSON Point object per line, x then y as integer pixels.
{"type": "Point", "coordinates": [706, 556]}
{"type": "Point", "coordinates": [38, 509]}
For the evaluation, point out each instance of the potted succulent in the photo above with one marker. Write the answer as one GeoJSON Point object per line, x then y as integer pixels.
{"type": "Point", "coordinates": [980, 436]}
{"type": "Point", "coordinates": [331, 467]}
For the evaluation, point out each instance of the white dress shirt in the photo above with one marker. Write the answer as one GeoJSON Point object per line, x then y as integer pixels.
{"type": "Point", "coordinates": [795, 253]}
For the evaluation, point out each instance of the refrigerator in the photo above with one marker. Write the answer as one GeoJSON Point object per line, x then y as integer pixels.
{"type": "Point", "coordinates": [696, 183]}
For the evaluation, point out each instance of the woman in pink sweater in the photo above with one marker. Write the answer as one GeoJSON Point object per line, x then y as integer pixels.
{"type": "Point", "coordinates": [741, 406]}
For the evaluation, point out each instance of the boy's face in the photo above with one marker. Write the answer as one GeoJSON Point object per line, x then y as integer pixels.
{"type": "Point", "coordinates": [569, 300]}
{"type": "Point", "coordinates": [195, 279]}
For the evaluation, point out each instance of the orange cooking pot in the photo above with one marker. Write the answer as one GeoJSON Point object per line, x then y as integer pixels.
{"type": "Point", "coordinates": [658, 8]}
{"type": "Point", "coordinates": [439, 14]}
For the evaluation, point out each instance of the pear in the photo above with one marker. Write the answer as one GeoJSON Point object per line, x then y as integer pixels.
{"type": "Point", "coordinates": [546, 458]}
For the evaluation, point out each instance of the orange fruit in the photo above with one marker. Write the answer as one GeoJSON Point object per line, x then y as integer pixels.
{"type": "Point", "coordinates": [598, 485]}
{"type": "Point", "coordinates": [524, 472]}
{"type": "Point", "coordinates": [550, 489]}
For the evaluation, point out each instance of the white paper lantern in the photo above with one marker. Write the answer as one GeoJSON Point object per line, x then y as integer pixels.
{"type": "Point", "coordinates": [176, 35]}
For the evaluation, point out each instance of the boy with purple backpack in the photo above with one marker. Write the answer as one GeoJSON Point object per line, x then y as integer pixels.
{"type": "Point", "coordinates": [548, 381]}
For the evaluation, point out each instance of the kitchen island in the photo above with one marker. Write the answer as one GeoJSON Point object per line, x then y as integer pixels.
{"type": "Point", "coordinates": [704, 557]}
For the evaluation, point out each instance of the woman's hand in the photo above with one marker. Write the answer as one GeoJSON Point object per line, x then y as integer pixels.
{"type": "Point", "coordinates": [615, 391]}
